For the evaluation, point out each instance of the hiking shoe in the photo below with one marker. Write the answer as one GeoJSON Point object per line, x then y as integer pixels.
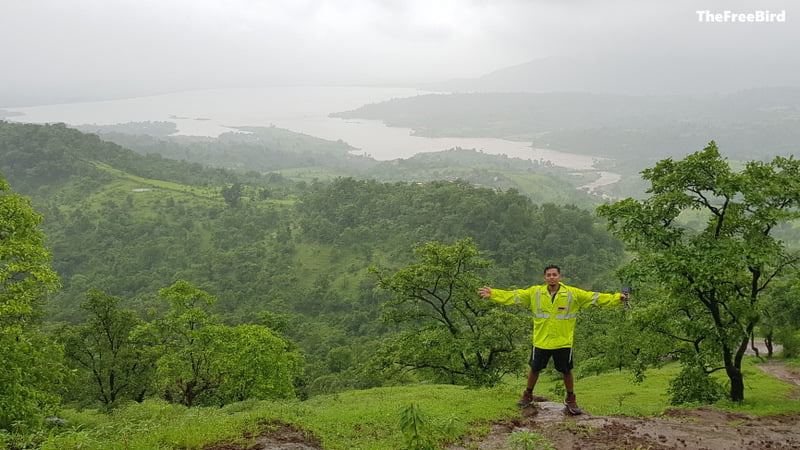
{"type": "Point", "coordinates": [526, 400]}
{"type": "Point", "coordinates": [572, 405]}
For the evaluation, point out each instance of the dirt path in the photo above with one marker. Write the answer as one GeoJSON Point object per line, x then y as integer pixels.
{"type": "Point", "coordinates": [783, 372]}
{"type": "Point", "coordinates": [701, 428]}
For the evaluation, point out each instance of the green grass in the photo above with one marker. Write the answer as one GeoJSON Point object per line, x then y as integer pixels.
{"type": "Point", "coordinates": [369, 419]}
{"type": "Point", "coordinates": [139, 182]}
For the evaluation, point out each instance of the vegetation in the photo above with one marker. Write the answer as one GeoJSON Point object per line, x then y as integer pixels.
{"type": "Point", "coordinates": [526, 440]}
{"type": "Point", "coordinates": [104, 354]}
{"type": "Point", "coordinates": [282, 153]}
{"type": "Point", "coordinates": [707, 279]}
{"type": "Point", "coordinates": [194, 295]}
{"type": "Point", "coordinates": [31, 363]}
{"type": "Point", "coordinates": [636, 130]}
{"type": "Point", "coordinates": [453, 336]}
{"type": "Point", "coordinates": [267, 249]}
{"type": "Point", "coordinates": [370, 419]}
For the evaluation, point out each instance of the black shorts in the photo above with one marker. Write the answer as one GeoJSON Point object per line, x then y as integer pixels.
{"type": "Point", "coordinates": [562, 359]}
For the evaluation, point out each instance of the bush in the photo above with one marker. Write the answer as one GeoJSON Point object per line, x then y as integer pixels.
{"type": "Point", "coordinates": [694, 385]}
{"type": "Point", "coordinates": [526, 440]}
{"type": "Point", "coordinates": [790, 339]}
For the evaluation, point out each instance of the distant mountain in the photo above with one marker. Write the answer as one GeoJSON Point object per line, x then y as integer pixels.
{"type": "Point", "coordinates": [640, 130]}
{"type": "Point", "coordinates": [635, 74]}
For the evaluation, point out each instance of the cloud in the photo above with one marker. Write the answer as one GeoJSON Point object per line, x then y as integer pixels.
{"type": "Point", "coordinates": [99, 45]}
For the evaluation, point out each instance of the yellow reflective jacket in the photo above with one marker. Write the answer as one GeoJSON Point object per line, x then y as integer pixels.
{"type": "Point", "coordinates": [554, 317]}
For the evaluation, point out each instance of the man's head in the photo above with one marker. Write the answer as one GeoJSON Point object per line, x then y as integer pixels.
{"type": "Point", "coordinates": [552, 275]}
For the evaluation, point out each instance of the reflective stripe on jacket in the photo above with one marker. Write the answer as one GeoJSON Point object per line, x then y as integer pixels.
{"type": "Point", "coordinates": [554, 317]}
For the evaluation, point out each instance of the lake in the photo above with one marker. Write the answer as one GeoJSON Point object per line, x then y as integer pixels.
{"type": "Point", "coordinates": [300, 109]}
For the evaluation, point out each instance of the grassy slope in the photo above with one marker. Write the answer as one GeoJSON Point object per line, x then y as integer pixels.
{"type": "Point", "coordinates": [368, 419]}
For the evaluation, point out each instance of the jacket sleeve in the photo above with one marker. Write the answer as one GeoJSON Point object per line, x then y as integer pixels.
{"type": "Point", "coordinates": [590, 298]}
{"type": "Point", "coordinates": [514, 297]}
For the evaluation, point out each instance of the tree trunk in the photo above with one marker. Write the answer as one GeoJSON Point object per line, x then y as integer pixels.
{"type": "Point", "coordinates": [737, 382]}
{"type": "Point", "coordinates": [753, 345]}
{"type": "Point", "coordinates": [733, 367]}
{"type": "Point", "coordinates": [768, 343]}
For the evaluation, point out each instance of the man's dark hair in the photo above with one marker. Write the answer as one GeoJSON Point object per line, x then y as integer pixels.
{"type": "Point", "coordinates": [552, 266]}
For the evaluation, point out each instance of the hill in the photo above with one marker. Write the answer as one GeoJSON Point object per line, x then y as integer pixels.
{"type": "Point", "coordinates": [130, 224]}
{"type": "Point", "coordinates": [632, 131]}
{"type": "Point", "coordinates": [301, 157]}
{"type": "Point", "coordinates": [292, 254]}
{"type": "Point", "coordinates": [635, 74]}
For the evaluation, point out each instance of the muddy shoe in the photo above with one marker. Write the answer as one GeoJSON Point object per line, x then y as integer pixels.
{"type": "Point", "coordinates": [526, 400]}
{"type": "Point", "coordinates": [572, 405]}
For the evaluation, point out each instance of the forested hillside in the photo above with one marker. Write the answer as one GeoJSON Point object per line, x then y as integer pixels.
{"type": "Point", "coordinates": [637, 131]}
{"type": "Point", "coordinates": [138, 284]}
{"type": "Point", "coordinates": [305, 158]}
{"type": "Point", "coordinates": [289, 254]}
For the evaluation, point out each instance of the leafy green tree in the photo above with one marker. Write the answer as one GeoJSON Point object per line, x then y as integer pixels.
{"type": "Point", "coordinates": [780, 320]}
{"type": "Point", "coordinates": [111, 363]}
{"type": "Point", "coordinates": [185, 368]}
{"type": "Point", "coordinates": [31, 365]}
{"type": "Point", "coordinates": [254, 361]}
{"type": "Point", "coordinates": [453, 335]}
{"type": "Point", "coordinates": [233, 194]}
{"type": "Point", "coordinates": [705, 235]}
{"type": "Point", "coordinates": [204, 362]}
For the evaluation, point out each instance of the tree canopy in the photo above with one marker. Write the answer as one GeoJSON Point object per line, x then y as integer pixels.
{"type": "Point", "coordinates": [31, 369]}
{"type": "Point", "coordinates": [451, 335]}
{"type": "Point", "coordinates": [706, 251]}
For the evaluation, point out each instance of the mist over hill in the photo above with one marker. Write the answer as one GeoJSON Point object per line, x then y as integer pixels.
{"type": "Point", "coordinates": [635, 74]}
{"type": "Point", "coordinates": [639, 130]}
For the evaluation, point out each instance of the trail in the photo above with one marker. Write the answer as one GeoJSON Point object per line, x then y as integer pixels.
{"type": "Point", "coordinates": [700, 428]}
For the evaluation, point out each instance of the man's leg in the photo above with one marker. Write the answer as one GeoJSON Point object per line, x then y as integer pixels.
{"type": "Point", "coordinates": [527, 396]}
{"type": "Point", "coordinates": [570, 402]}
{"type": "Point", "coordinates": [538, 361]}
{"type": "Point", "coordinates": [569, 382]}
{"type": "Point", "coordinates": [533, 377]}
{"type": "Point", "coordinates": [563, 361]}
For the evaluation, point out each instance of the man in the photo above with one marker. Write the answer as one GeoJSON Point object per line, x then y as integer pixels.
{"type": "Point", "coordinates": [555, 309]}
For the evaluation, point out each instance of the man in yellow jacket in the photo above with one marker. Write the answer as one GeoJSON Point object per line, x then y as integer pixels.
{"type": "Point", "coordinates": [555, 309]}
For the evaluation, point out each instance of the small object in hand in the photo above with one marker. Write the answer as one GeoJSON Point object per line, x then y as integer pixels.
{"type": "Point", "coordinates": [627, 291]}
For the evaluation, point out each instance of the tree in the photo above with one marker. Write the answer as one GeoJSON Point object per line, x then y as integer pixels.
{"type": "Point", "coordinates": [454, 336]}
{"type": "Point", "coordinates": [780, 320]}
{"type": "Point", "coordinates": [185, 367]}
{"type": "Point", "coordinates": [233, 194]}
{"type": "Point", "coordinates": [255, 363]}
{"type": "Point", "coordinates": [111, 363]}
{"type": "Point", "coordinates": [705, 238]}
{"type": "Point", "coordinates": [31, 365]}
{"type": "Point", "coordinates": [204, 362]}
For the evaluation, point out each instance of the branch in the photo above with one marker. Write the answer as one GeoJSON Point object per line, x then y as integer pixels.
{"type": "Point", "coordinates": [710, 371]}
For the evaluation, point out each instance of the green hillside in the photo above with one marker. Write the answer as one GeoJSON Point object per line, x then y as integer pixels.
{"type": "Point", "coordinates": [370, 419]}
{"type": "Point", "coordinates": [306, 158]}
{"type": "Point", "coordinates": [178, 277]}
{"type": "Point", "coordinates": [130, 224]}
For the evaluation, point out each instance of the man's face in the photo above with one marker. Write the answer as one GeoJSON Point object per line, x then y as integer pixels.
{"type": "Point", "coordinates": [552, 277]}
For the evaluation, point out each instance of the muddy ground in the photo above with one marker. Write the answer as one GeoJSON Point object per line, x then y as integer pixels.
{"type": "Point", "coordinates": [700, 428]}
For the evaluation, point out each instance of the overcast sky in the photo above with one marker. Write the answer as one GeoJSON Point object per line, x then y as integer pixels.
{"type": "Point", "coordinates": [51, 46]}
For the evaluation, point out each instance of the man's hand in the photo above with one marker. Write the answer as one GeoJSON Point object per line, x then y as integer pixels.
{"type": "Point", "coordinates": [625, 296]}
{"type": "Point", "coordinates": [485, 292]}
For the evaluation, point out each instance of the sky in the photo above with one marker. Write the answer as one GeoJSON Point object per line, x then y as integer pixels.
{"type": "Point", "coordinates": [74, 49]}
